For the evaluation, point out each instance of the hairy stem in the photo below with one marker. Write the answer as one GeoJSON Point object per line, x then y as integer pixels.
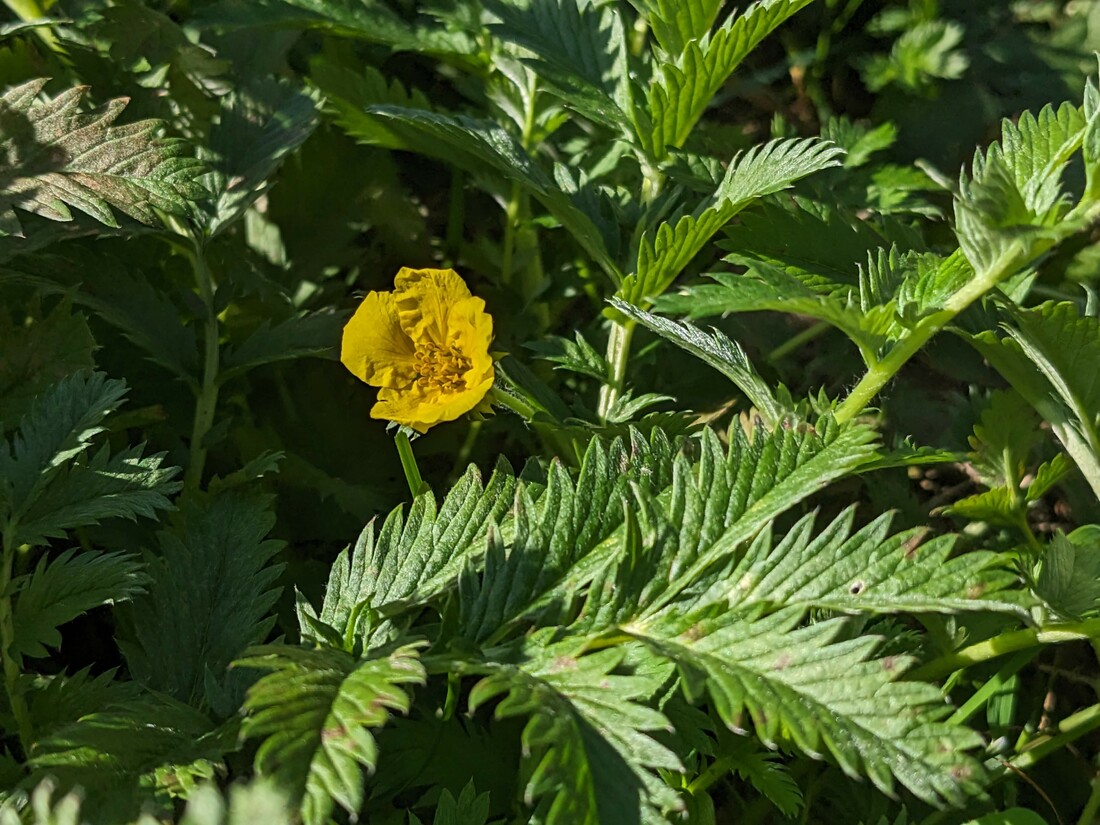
{"type": "Point", "coordinates": [12, 671]}
{"type": "Point", "coordinates": [880, 374]}
{"type": "Point", "coordinates": [513, 403]}
{"type": "Point", "coordinates": [408, 464]}
{"type": "Point", "coordinates": [1006, 643]}
{"type": "Point", "coordinates": [618, 357]}
{"type": "Point", "coordinates": [622, 329]}
{"type": "Point", "coordinates": [207, 402]}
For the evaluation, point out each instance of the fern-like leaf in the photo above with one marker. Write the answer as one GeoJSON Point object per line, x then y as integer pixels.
{"type": "Point", "coordinates": [580, 52]}
{"type": "Point", "coordinates": [314, 711]}
{"type": "Point", "coordinates": [684, 88]}
{"type": "Point", "coordinates": [763, 170]}
{"type": "Point", "coordinates": [213, 587]}
{"type": "Point", "coordinates": [62, 588]}
{"type": "Point", "coordinates": [812, 688]}
{"type": "Point", "coordinates": [421, 553]}
{"type": "Point", "coordinates": [1049, 357]}
{"type": "Point", "coordinates": [56, 158]}
{"type": "Point", "coordinates": [587, 735]}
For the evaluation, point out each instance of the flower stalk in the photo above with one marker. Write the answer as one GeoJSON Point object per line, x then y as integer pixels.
{"type": "Point", "coordinates": [408, 463]}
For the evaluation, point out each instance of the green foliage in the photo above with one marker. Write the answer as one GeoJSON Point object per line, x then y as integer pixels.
{"type": "Point", "coordinates": [684, 86]}
{"type": "Point", "coordinates": [57, 158]}
{"type": "Point", "coordinates": [49, 485]}
{"type": "Point", "coordinates": [315, 710]}
{"type": "Point", "coordinates": [857, 581]}
{"type": "Point", "coordinates": [211, 597]}
{"type": "Point", "coordinates": [761, 171]}
{"type": "Point", "coordinates": [587, 733]}
{"type": "Point", "coordinates": [64, 587]}
{"type": "Point", "coordinates": [1046, 356]}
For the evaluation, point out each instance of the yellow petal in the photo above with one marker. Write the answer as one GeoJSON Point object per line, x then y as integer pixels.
{"type": "Point", "coordinates": [374, 347]}
{"type": "Point", "coordinates": [424, 300]}
{"type": "Point", "coordinates": [470, 328]}
{"type": "Point", "coordinates": [422, 408]}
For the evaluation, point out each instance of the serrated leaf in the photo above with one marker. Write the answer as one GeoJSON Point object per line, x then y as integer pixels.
{"type": "Point", "coordinates": [587, 734]}
{"type": "Point", "coordinates": [1049, 357]}
{"type": "Point", "coordinates": [213, 587]}
{"type": "Point", "coordinates": [823, 247]}
{"type": "Point", "coordinates": [1000, 506]}
{"type": "Point", "coordinates": [866, 571]}
{"type": "Point", "coordinates": [1047, 475]}
{"type": "Point", "coordinates": [258, 127]}
{"type": "Point", "coordinates": [928, 49]}
{"type": "Point", "coordinates": [717, 351]}
{"type": "Point", "coordinates": [768, 776]}
{"type": "Point", "coordinates": [1069, 577]}
{"type": "Point", "coordinates": [347, 94]}
{"type": "Point", "coordinates": [56, 158]}
{"type": "Point", "coordinates": [556, 533]}
{"type": "Point", "coordinates": [675, 23]}
{"type": "Point", "coordinates": [682, 90]}
{"type": "Point", "coordinates": [66, 586]}
{"type": "Point", "coordinates": [415, 555]}
{"type": "Point", "coordinates": [577, 356]}
{"type": "Point", "coordinates": [761, 171]}
{"type": "Point", "coordinates": [685, 541]}
{"type": "Point", "coordinates": [580, 52]}
{"type": "Point", "coordinates": [471, 808]}
{"type": "Point", "coordinates": [767, 288]}
{"type": "Point", "coordinates": [314, 711]}
{"type": "Point", "coordinates": [59, 426]}
{"type": "Point", "coordinates": [123, 755]}
{"type": "Point", "coordinates": [85, 492]}
{"type": "Point", "coordinates": [811, 688]}
{"type": "Point", "coordinates": [1011, 208]}
{"type": "Point", "coordinates": [1003, 437]}
{"type": "Point", "coordinates": [315, 333]}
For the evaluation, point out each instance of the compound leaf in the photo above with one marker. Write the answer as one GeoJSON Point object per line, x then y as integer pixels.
{"type": "Point", "coordinates": [314, 710]}
{"type": "Point", "coordinates": [213, 587]}
{"type": "Point", "coordinates": [56, 158]}
{"type": "Point", "coordinates": [66, 586]}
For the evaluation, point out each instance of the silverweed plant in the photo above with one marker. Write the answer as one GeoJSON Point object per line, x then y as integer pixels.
{"type": "Point", "coordinates": [479, 412]}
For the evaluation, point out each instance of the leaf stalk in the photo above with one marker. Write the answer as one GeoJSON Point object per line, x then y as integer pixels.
{"type": "Point", "coordinates": [207, 402]}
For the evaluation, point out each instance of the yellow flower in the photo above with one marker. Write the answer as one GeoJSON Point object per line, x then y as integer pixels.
{"type": "Point", "coordinates": [425, 345]}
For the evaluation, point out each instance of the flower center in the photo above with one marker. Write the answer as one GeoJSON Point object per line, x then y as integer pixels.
{"type": "Point", "coordinates": [440, 368]}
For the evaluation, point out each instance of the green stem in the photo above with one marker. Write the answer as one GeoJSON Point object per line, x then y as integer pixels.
{"type": "Point", "coordinates": [717, 769]}
{"type": "Point", "coordinates": [508, 245]}
{"type": "Point", "coordinates": [878, 375]}
{"type": "Point", "coordinates": [12, 670]}
{"type": "Point", "coordinates": [618, 357]}
{"type": "Point", "coordinates": [796, 341]}
{"type": "Point", "coordinates": [622, 330]}
{"type": "Point", "coordinates": [1006, 643]}
{"type": "Point", "coordinates": [512, 402]}
{"type": "Point", "coordinates": [408, 464]}
{"type": "Point", "coordinates": [1092, 807]}
{"type": "Point", "coordinates": [207, 403]}
{"type": "Point", "coordinates": [1069, 729]}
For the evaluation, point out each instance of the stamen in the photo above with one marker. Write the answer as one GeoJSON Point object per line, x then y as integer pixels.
{"type": "Point", "coordinates": [440, 368]}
